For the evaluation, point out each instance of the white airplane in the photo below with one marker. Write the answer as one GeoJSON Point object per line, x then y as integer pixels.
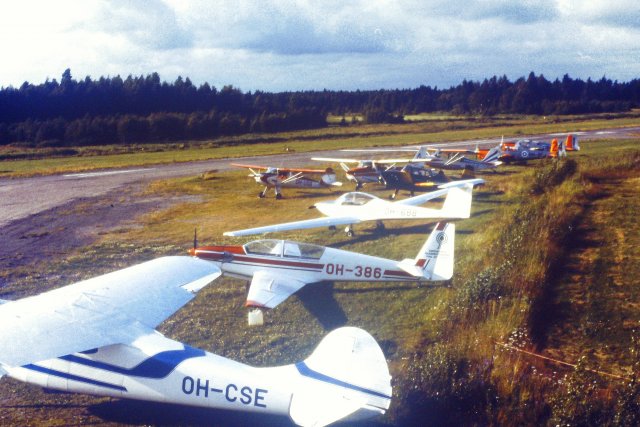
{"type": "Point", "coordinates": [355, 207]}
{"type": "Point", "coordinates": [98, 337]}
{"type": "Point", "coordinates": [279, 268]}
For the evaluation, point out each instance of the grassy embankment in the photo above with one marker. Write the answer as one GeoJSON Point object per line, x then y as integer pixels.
{"type": "Point", "coordinates": [523, 272]}
{"type": "Point", "coordinates": [26, 161]}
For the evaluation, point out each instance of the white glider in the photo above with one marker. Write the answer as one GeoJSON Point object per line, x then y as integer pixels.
{"type": "Point", "coordinates": [98, 337]}
{"type": "Point", "coordinates": [356, 207]}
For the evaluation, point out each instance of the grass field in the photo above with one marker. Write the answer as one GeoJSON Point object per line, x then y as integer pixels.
{"type": "Point", "coordinates": [548, 263]}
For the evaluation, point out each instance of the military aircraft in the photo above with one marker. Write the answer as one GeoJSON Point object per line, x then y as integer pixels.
{"type": "Point", "coordinates": [98, 337]}
{"type": "Point", "coordinates": [278, 178]}
{"type": "Point", "coordinates": [355, 207]}
{"type": "Point", "coordinates": [521, 150]}
{"type": "Point", "coordinates": [279, 268]}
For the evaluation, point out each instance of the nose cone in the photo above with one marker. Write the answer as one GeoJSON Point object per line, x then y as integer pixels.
{"type": "Point", "coordinates": [192, 251]}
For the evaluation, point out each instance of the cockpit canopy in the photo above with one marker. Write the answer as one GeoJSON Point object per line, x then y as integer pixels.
{"type": "Point", "coordinates": [280, 248]}
{"type": "Point", "coordinates": [355, 199]}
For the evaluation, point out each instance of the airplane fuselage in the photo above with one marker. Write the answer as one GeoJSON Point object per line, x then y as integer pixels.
{"type": "Point", "coordinates": [181, 374]}
{"type": "Point", "coordinates": [378, 209]}
{"type": "Point", "coordinates": [272, 180]}
{"type": "Point", "coordinates": [332, 265]}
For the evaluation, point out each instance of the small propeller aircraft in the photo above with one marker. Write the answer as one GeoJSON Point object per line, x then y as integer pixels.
{"type": "Point", "coordinates": [414, 178]}
{"type": "Point", "coordinates": [432, 157]}
{"type": "Point", "coordinates": [279, 268]}
{"type": "Point", "coordinates": [98, 337]}
{"type": "Point", "coordinates": [278, 178]}
{"type": "Point", "coordinates": [356, 207]}
{"type": "Point", "coordinates": [364, 171]}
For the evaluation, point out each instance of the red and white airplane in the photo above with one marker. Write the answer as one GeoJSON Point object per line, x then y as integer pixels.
{"type": "Point", "coordinates": [278, 178]}
{"type": "Point", "coordinates": [279, 268]}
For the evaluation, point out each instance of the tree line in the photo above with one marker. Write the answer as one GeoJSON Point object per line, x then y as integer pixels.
{"type": "Point", "coordinates": [145, 109]}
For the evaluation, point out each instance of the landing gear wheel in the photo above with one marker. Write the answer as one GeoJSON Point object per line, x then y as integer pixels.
{"type": "Point", "coordinates": [380, 226]}
{"type": "Point", "coordinates": [261, 195]}
{"type": "Point", "coordinates": [278, 196]}
{"type": "Point", "coordinates": [349, 230]}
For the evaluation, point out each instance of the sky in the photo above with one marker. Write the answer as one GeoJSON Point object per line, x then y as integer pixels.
{"type": "Point", "coordinates": [282, 45]}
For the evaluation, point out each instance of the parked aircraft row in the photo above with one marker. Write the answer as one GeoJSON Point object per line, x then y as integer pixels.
{"type": "Point", "coordinates": [99, 336]}
{"type": "Point", "coordinates": [422, 172]}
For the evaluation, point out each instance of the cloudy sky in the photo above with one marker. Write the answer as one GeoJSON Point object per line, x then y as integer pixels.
{"type": "Point", "coordinates": [278, 45]}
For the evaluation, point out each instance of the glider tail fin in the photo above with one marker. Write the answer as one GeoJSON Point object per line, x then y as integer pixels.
{"type": "Point", "coordinates": [329, 178]}
{"type": "Point", "coordinates": [345, 377]}
{"type": "Point", "coordinates": [435, 259]}
{"type": "Point", "coordinates": [457, 204]}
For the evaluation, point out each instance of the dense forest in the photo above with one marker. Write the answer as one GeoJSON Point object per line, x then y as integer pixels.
{"type": "Point", "coordinates": [143, 109]}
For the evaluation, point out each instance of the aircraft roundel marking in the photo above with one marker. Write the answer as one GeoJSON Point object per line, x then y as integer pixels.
{"type": "Point", "coordinates": [525, 154]}
{"type": "Point", "coordinates": [441, 238]}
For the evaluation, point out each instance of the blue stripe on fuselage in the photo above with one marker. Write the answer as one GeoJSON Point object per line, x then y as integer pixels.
{"type": "Point", "coordinates": [306, 371]}
{"type": "Point", "coordinates": [72, 377]}
{"type": "Point", "coordinates": [155, 367]}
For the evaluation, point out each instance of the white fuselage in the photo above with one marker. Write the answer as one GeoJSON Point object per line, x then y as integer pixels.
{"type": "Point", "coordinates": [333, 265]}
{"type": "Point", "coordinates": [377, 209]}
{"type": "Point", "coordinates": [182, 375]}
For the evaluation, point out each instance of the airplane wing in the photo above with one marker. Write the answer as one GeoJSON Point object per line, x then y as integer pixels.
{"type": "Point", "coordinates": [268, 290]}
{"type": "Point", "coordinates": [333, 159]}
{"type": "Point", "coordinates": [423, 198]}
{"type": "Point", "coordinates": [240, 165]}
{"type": "Point", "coordinates": [296, 225]}
{"type": "Point", "coordinates": [117, 307]}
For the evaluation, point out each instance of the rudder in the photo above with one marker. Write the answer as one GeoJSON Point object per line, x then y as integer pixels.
{"type": "Point", "coordinates": [346, 376]}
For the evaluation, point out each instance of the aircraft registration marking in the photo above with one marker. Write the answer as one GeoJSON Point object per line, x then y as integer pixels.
{"type": "Point", "coordinates": [358, 270]}
{"type": "Point", "coordinates": [232, 393]}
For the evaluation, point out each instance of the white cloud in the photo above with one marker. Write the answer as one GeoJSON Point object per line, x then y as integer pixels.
{"type": "Point", "coordinates": [289, 45]}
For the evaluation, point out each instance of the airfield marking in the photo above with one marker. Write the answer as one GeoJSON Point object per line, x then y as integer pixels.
{"type": "Point", "coordinates": [104, 173]}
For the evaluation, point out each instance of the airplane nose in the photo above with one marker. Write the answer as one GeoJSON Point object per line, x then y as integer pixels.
{"type": "Point", "coordinates": [192, 251]}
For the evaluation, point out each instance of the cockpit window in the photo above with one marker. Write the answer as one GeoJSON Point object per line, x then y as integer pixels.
{"type": "Point", "coordinates": [356, 199]}
{"type": "Point", "coordinates": [264, 247]}
{"type": "Point", "coordinates": [306, 250]}
{"type": "Point", "coordinates": [284, 248]}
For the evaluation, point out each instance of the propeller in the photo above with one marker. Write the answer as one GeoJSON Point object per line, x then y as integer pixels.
{"type": "Point", "coordinates": [195, 238]}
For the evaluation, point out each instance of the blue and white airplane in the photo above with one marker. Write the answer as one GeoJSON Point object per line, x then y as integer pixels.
{"type": "Point", "coordinates": [98, 337]}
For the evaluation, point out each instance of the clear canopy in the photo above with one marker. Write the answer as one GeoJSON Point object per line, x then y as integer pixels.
{"type": "Point", "coordinates": [284, 248]}
{"type": "Point", "coordinates": [355, 199]}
